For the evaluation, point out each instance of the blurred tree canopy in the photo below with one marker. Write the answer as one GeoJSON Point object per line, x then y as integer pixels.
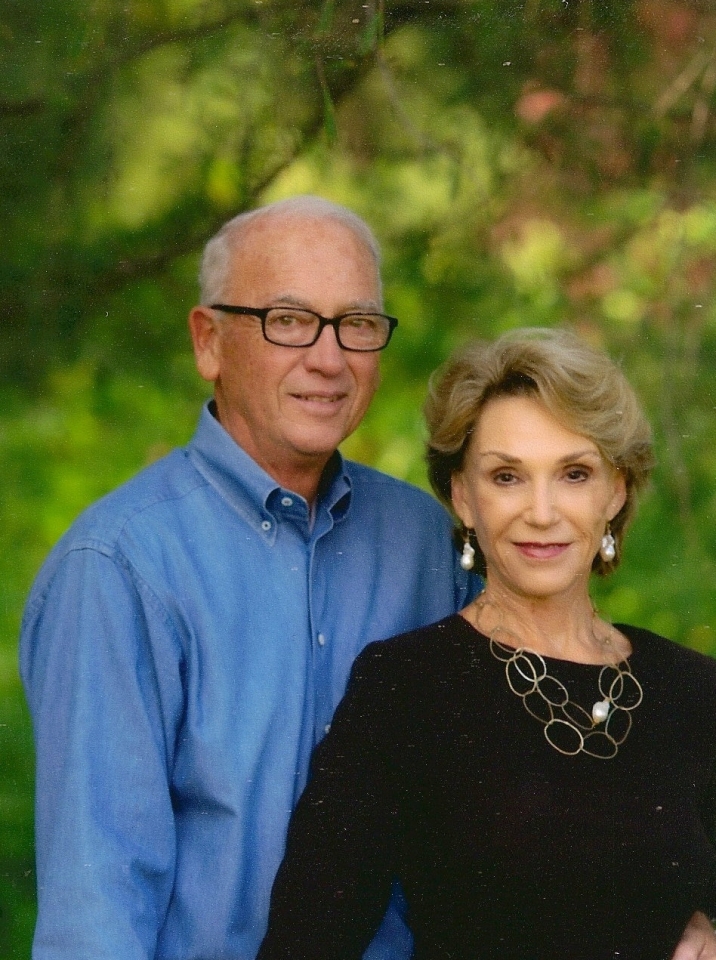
{"type": "Point", "coordinates": [523, 162]}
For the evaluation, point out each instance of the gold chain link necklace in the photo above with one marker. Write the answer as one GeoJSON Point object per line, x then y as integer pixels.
{"type": "Point", "coordinates": [568, 727]}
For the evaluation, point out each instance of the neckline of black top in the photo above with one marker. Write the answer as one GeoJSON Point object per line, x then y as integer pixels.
{"type": "Point", "coordinates": [628, 632]}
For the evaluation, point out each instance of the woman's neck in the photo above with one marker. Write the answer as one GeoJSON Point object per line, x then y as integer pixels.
{"type": "Point", "coordinates": [566, 628]}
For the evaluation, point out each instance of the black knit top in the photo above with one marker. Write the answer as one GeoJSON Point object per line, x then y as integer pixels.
{"type": "Point", "coordinates": [435, 774]}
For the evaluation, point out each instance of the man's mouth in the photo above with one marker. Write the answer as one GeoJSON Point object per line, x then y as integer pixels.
{"type": "Point", "coordinates": [319, 397]}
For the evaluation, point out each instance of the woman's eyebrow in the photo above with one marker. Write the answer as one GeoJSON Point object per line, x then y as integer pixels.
{"type": "Point", "coordinates": [511, 459]}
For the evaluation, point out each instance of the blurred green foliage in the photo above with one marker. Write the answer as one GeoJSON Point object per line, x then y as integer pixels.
{"type": "Point", "coordinates": [522, 162]}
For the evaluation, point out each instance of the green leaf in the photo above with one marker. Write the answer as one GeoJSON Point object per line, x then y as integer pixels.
{"type": "Point", "coordinates": [371, 35]}
{"type": "Point", "coordinates": [329, 113]}
{"type": "Point", "coordinates": [325, 21]}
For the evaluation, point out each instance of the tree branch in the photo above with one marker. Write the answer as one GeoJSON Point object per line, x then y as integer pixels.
{"type": "Point", "coordinates": [22, 108]}
{"type": "Point", "coordinates": [152, 264]}
{"type": "Point", "coordinates": [678, 87]}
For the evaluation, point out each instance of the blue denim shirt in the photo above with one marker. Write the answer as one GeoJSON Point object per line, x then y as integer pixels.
{"type": "Point", "coordinates": [183, 649]}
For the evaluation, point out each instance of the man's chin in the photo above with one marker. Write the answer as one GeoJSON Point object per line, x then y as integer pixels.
{"type": "Point", "coordinates": [318, 439]}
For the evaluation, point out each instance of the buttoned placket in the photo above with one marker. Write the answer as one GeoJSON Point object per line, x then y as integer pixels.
{"type": "Point", "coordinates": [322, 652]}
{"type": "Point", "coordinates": [284, 508]}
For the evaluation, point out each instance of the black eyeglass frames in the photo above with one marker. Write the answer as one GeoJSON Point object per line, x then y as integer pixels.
{"type": "Point", "coordinates": [296, 327]}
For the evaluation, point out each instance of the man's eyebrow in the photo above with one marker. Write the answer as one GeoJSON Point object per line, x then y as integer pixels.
{"type": "Point", "coordinates": [295, 300]}
{"type": "Point", "coordinates": [290, 299]}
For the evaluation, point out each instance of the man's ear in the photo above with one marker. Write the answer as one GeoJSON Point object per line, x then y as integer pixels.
{"type": "Point", "coordinates": [205, 336]}
{"type": "Point", "coordinates": [458, 487]}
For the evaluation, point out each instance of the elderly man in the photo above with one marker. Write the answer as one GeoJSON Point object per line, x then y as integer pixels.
{"type": "Point", "coordinates": [186, 643]}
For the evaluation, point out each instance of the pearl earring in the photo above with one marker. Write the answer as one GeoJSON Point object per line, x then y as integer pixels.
{"type": "Point", "coordinates": [608, 549]}
{"type": "Point", "coordinates": [467, 560]}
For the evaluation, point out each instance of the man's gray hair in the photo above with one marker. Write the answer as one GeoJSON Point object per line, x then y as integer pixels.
{"type": "Point", "coordinates": [216, 260]}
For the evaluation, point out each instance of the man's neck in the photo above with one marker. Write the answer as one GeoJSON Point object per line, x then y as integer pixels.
{"type": "Point", "coordinates": [308, 478]}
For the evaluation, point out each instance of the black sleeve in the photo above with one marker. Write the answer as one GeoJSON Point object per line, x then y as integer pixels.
{"type": "Point", "coordinates": [334, 884]}
{"type": "Point", "coordinates": [709, 907]}
{"type": "Point", "coordinates": [709, 806]}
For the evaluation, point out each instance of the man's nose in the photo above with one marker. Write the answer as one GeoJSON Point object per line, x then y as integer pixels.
{"type": "Point", "coordinates": [326, 354]}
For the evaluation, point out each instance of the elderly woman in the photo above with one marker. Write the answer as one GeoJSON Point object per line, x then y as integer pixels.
{"type": "Point", "coordinates": [541, 782]}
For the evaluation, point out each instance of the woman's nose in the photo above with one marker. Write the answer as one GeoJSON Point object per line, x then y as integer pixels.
{"type": "Point", "coordinates": [542, 509]}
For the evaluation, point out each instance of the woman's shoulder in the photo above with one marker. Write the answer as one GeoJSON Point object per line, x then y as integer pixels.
{"type": "Point", "coordinates": [426, 652]}
{"type": "Point", "coordinates": [671, 658]}
{"type": "Point", "coordinates": [414, 681]}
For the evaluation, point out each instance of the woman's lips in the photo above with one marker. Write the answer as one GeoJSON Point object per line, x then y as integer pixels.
{"type": "Point", "coordinates": [541, 551]}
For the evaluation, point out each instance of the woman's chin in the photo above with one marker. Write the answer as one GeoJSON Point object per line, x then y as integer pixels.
{"type": "Point", "coordinates": [544, 583]}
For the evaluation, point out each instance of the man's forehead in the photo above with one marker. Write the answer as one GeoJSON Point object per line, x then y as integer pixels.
{"type": "Point", "coordinates": [289, 250]}
{"type": "Point", "coordinates": [309, 228]}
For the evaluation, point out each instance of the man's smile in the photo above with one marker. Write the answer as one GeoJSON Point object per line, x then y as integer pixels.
{"type": "Point", "coordinates": [319, 397]}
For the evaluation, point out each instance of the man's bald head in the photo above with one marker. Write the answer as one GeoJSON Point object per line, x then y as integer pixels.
{"type": "Point", "coordinates": [219, 253]}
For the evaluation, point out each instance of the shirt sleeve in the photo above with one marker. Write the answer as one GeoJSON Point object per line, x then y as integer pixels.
{"type": "Point", "coordinates": [334, 883]}
{"type": "Point", "coordinates": [101, 672]}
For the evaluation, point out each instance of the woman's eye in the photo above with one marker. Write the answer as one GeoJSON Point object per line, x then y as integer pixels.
{"type": "Point", "coordinates": [576, 474]}
{"type": "Point", "coordinates": [504, 477]}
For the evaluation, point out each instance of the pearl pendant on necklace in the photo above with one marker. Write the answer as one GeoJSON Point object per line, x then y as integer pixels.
{"type": "Point", "coordinates": [600, 711]}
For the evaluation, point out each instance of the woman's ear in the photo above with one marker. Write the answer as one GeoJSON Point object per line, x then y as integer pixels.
{"type": "Point", "coordinates": [619, 498]}
{"type": "Point", "coordinates": [460, 499]}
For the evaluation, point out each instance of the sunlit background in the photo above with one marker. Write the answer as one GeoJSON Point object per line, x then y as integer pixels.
{"type": "Point", "coordinates": [536, 162]}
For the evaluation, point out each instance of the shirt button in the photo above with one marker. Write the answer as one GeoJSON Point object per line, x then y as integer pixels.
{"type": "Point", "coordinates": [286, 502]}
{"type": "Point", "coordinates": [327, 728]}
{"type": "Point", "coordinates": [266, 525]}
{"type": "Point", "coordinates": [321, 640]}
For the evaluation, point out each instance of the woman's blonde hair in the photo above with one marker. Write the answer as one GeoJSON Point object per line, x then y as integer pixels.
{"type": "Point", "coordinates": [581, 387]}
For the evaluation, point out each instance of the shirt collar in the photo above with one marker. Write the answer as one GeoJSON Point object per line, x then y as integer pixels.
{"type": "Point", "coordinates": [251, 491]}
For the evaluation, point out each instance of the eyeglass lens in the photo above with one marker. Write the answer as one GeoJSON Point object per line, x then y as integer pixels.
{"type": "Point", "coordinates": [298, 328]}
